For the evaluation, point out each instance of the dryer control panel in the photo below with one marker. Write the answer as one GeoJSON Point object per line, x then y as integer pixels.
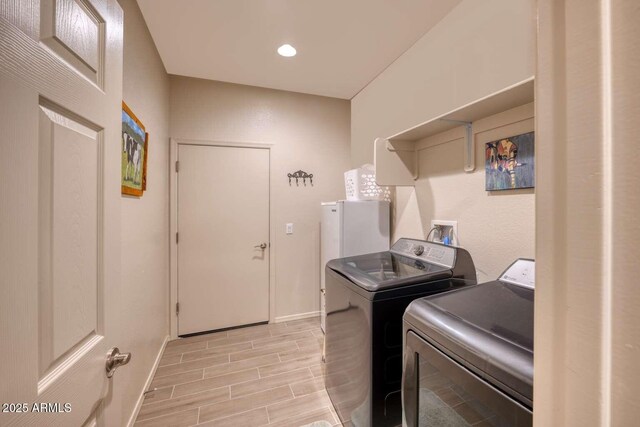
{"type": "Point", "coordinates": [522, 273]}
{"type": "Point", "coordinates": [429, 252]}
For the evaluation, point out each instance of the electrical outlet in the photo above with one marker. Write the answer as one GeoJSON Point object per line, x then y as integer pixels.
{"type": "Point", "coordinates": [445, 229]}
{"type": "Point", "coordinates": [289, 228]}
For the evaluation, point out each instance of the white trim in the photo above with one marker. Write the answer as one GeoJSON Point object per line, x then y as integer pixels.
{"type": "Point", "coordinates": [239, 144]}
{"type": "Point", "coordinates": [147, 383]}
{"type": "Point", "coordinates": [59, 370]}
{"type": "Point", "coordinates": [608, 200]}
{"type": "Point", "coordinates": [173, 228]}
{"type": "Point", "coordinates": [297, 316]}
{"type": "Point", "coordinates": [173, 224]}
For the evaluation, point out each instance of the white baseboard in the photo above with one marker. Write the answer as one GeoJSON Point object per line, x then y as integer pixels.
{"type": "Point", "coordinates": [297, 316]}
{"type": "Point", "coordinates": [147, 383]}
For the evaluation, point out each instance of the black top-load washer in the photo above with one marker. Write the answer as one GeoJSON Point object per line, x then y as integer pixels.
{"type": "Point", "coordinates": [469, 354]}
{"type": "Point", "coordinates": [366, 297]}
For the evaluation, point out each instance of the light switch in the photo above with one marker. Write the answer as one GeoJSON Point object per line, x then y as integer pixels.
{"type": "Point", "coordinates": [289, 228]}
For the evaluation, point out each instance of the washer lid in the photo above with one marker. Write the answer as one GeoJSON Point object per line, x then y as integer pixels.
{"type": "Point", "coordinates": [385, 270]}
{"type": "Point", "coordinates": [409, 262]}
{"type": "Point", "coordinates": [488, 327]}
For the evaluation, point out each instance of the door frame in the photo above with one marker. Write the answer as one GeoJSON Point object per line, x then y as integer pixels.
{"type": "Point", "coordinates": [173, 224]}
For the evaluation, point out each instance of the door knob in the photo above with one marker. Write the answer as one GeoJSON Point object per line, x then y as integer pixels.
{"type": "Point", "coordinates": [262, 246]}
{"type": "Point", "coordinates": [115, 359]}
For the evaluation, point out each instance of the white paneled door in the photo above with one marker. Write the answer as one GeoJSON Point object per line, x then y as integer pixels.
{"type": "Point", "coordinates": [223, 244]}
{"type": "Point", "coordinates": [60, 97]}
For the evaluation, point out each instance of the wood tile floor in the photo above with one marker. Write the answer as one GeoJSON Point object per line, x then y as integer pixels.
{"type": "Point", "coordinates": [265, 375]}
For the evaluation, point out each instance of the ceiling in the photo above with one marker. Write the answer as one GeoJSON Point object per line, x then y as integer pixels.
{"type": "Point", "coordinates": [342, 44]}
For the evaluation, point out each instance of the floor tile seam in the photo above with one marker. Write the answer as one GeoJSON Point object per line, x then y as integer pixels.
{"type": "Point", "coordinates": [255, 367]}
{"type": "Point", "coordinates": [170, 352]}
{"type": "Point", "coordinates": [163, 415]}
{"type": "Point", "coordinates": [292, 332]}
{"type": "Point", "coordinates": [270, 376]}
{"type": "Point", "coordinates": [233, 415]}
{"type": "Point", "coordinates": [180, 373]}
{"type": "Point", "coordinates": [284, 372]}
{"type": "Point", "coordinates": [283, 401]}
{"type": "Point", "coordinates": [161, 400]}
{"type": "Point", "coordinates": [197, 392]}
{"type": "Point", "coordinates": [190, 370]}
{"type": "Point", "coordinates": [170, 364]}
{"type": "Point", "coordinates": [247, 395]}
{"type": "Point", "coordinates": [306, 379]}
{"type": "Point", "coordinates": [212, 344]}
{"type": "Point", "coordinates": [277, 343]}
{"type": "Point", "coordinates": [249, 358]}
{"type": "Point", "coordinates": [211, 348]}
{"type": "Point", "coordinates": [227, 385]}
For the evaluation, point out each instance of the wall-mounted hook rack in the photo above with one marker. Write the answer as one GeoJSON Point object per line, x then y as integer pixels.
{"type": "Point", "coordinates": [301, 175]}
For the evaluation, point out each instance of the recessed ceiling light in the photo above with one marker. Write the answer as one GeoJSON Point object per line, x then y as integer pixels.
{"type": "Point", "coordinates": [287, 50]}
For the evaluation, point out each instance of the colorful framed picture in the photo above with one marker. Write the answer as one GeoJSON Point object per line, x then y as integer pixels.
{"type": "Point", "coordinates": [509, 163]}
{"type": "Point", "coordinates": [135, 141]}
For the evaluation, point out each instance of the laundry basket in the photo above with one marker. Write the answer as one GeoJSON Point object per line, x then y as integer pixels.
{"type": "Point", "coordinates": [360, 184]}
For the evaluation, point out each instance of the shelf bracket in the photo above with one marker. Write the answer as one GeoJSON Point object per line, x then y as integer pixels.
{"type": "Point", "coordinates": [396, 162]}
{"type": "Point", "coordinates": [405, 147]}
{"type": "Point", "coordinates": [470, 146]}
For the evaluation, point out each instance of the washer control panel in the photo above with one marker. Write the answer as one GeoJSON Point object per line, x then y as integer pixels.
{"type": "Point", "coordinates": [522, 273]}
{"type": "Point", "coordinates": [429, 252]}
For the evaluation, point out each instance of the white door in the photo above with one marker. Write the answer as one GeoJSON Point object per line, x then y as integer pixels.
{"type": "Point", "coordinates": [223, 245]}
{"type": "Point", "coordinates": [60, 97]}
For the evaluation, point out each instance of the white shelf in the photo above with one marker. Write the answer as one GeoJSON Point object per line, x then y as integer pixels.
{"type": "Point", "coordinates": [395, 157]}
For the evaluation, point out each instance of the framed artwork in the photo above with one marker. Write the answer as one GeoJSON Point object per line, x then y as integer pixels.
{"type": "Point", "coordinates": [135, 141]}
{"type": "Point", "coordinates": [509, 163]}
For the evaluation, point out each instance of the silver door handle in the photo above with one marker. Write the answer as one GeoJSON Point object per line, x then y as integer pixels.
{"type": "Point", "coordinates": [115, 359]}
{"type": "Point", "coordinates": [262, 246]}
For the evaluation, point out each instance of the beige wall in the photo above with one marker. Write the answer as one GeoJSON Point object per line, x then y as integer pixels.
{"type": "Point", "coordinates": [144, 221]}
{"type": "Point", "coordinates": [307, 132]}
{"type": "Point", "coordinates": [478, 49]}
{"type": "Point", "coordinates": [587, 320]}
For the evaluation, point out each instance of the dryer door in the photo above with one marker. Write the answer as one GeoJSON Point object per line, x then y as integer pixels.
{"type": "Point", "coordinates": [439, 391]}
